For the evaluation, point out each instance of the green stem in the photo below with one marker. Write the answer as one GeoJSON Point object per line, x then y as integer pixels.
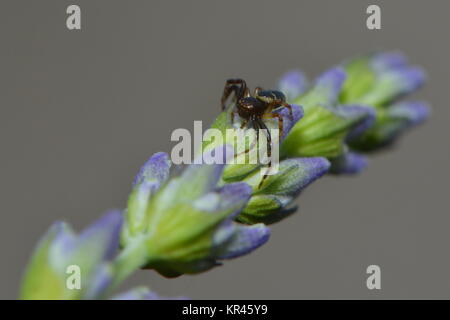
{"type": "Point", "coordinates": [132, 258]}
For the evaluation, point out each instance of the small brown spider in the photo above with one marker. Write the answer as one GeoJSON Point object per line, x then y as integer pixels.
{"type": "Point", "coordinates": [254, 108]}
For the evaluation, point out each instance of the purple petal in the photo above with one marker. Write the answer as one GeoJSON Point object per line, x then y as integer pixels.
{"type": "Point", "coordinates": [245, 240]}
{"type": "Point", "coordinates": [232, 198]}
{"type": "Point", "coordinates": [156, 168]}
{"type": "Point", "coordinates": [99, 282]}
{"type": "Point", "coordinates": [415, 112]}
{"type": "Point", "coordinates": [138, 293]}
{"type": "Point", "coordinates": [364, 118]}
{"type": "Point", "coordinates": [63, 244]}
{"type": "Point", "coordinates": [331, 83]}
{"type": "Point", "coordinates": [288, 122]}
{"type": "Point", "coordinates": [395, 78]}
{"type": "Point", "coordinates": [389, 60]}
{"type": "Point", "coordinates": [96, 243]}
{"type": "Point", "coordinates": [223, 234]}
{"type": "Point", "coordinates": [307, 171]}
{"type": "Point", "coordinates": [409, 79]}
{"type": "Point", "coordinates": [235, 192]}
{"type": "Point", "coordinates": [234, 195]}
{"type": "Point", "coordinates": [145, 190]}
{"type": "Point", "coordinates": [142, 293]}
{"type": "Point", "coordinates": [154, 296]}
{"type": "Point", "coordinates": [102, 237]}
{"type": "Point", "coordinates": [61, 241]}
{"type": "Point", "coordinates": [349, 163]}
{"type": "Point", "coordinates": [314, 169]}
{"type": "Point", "coordinates": [292, 84]}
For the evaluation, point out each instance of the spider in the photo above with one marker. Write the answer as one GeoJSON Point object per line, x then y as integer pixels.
{"type": "Point", "coordinates": [254, 108]}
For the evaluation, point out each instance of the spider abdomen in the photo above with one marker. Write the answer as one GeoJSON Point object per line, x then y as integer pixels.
{"type": "Point", "coordinates": [269, 96]}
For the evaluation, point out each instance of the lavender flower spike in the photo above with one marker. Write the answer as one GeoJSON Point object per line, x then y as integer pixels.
{"type": "Point", "coordinates": [192, 221]}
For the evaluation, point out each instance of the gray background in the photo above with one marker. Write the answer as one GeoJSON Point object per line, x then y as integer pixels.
{"type": "Point", "coordinates": [82, 110]}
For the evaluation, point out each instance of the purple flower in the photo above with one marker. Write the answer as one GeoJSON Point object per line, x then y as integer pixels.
{"type": "Point", "coordinates": [362, 118]}
{"type": "Point", "coordinates": [156, 169]}
{"type": "Point", "coordinates": [380, 79]}
{"type": "Point", "coordinates": [410, 113]}
{"type": "Point", "coordinates": [349, 163]}
{"type": "Point", "coordinates": [329, 84]}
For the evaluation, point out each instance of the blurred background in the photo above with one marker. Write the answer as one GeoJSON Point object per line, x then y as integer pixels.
{"type": "Point", "coordinates": [82, 110]}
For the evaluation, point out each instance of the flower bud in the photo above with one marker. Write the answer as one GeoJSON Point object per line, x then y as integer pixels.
{"type": "Point", "coordinates": [60, 251]}
{"type": "Point", "coordinates": [379, 79]}
{"type": "Point", "coordinates": [391, 123]}
{"type": "Point", "coordinates": [323, 131]}
{"type": "Point", "coordinates": [271, 202]}
{"type": "Point", "coordinates": [348, 163]}
{"type": "Point", "coordinates": [325, 90]}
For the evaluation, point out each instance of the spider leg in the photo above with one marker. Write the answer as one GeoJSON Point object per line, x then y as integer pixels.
{"type": "Point", "coordinates": [244, 123]}
{"type": "Point", "coordinates": [236, 86]}
{"type": "Point", "coordinates": [232, 116]}
{"type": "Point", "coordinates": [263, 126]}
{"type": "Point", "coordinates": [256, 91]}
{"type": "Point", "coordinates": [252, 145]}
{"type": "Point", "coordinates": [280, 121]}
{"type": "Point", "coordinates": [256, 141]}
{"type": "Point", "coordinates": [256, 127]}
{"type": "Point", "coordinates": [280, 103]}
{"type": "Point", "coordinates": [268, 135]}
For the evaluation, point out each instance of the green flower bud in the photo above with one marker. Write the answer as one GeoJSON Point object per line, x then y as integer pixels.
{"type": "Point", "coordinates": [270, 203]}
{"type": "Point", "coordinates": [70, 266]}
{"type": "Point", "coordinates": [390, 124]}
{"type": "Point", "coordinates": [379, 79]}
{"type": "Point", "coordinates": [323, 131]}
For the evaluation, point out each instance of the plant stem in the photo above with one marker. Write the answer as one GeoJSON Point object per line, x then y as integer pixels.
{"type": "Point", "coordinates": [133, 257]}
